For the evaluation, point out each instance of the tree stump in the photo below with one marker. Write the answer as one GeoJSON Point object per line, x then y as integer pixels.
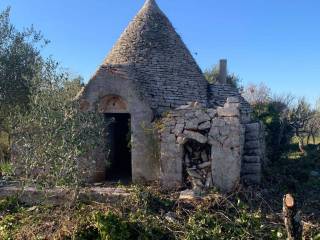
{"type": "Point", "coordinates": [292, 219]}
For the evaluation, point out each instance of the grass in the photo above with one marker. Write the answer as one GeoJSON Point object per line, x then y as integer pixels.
{"type": "Point", "coordinates": [4, 138]}
{"type": "Point", "coordinates": [152, 213]}
{"type": "Point", "coordinates": [317, 140]}
{"type": "Point", "coordinates": [4, 145]}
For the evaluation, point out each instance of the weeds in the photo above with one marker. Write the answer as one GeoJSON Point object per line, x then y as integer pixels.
{"type": "Point", "coordinates": [151, 213]}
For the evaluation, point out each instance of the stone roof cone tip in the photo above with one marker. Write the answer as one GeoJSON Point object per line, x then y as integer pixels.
{"type": "Point", "coordinates": [155, 58]}
{"type": "Point", "coordinates": [151, 4]}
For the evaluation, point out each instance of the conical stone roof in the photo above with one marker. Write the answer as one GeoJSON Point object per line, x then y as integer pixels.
{"type": "Point", "coordinates": [164, 71]}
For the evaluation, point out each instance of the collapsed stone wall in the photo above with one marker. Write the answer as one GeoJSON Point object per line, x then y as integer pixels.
{"type": "Point", "coordinates": [204, 146]}
{"type": "Point", "coordinates": [218, 94]}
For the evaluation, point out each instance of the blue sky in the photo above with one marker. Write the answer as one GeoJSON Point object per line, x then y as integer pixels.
{"type": "Point", "coordinates": [272, 41]}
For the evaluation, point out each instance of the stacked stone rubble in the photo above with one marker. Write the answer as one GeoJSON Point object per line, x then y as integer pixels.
{"type": "Point", "coordinates": [218, 94]}
{"type": "Point", "coordinates": [202, 147]}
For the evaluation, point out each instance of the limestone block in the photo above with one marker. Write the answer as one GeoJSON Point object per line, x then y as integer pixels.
{"type": "Point", "coordinates": [204, 126]}
{"type": "Point", "coordinates": [233, 100]}
{"type": "Point", "coordinates": [183, 107]}
{"type": "Point", "coordinates": [171, 165]}
{"type": "Point", "coordinates": [168, 138]}
{"type": "Point", "coordinates": [226, 152]}
{"type": "Point", "coordinates": [214, 132]}
{"type": "Point", "coordinates": [231, 111]}
{"type": "Point", "coordinates": [218, 122]}
{"type": "Point", "coordinates": [224, 131]}
{"type": "Point", "coordinates": [252, 136]}
{"type": "Point", "coordinates": [225, 169]}
{"type": "Point", "coordinates": [170, 122]}
{"type": "Point", "coordinates": [181, 139]}
{"type": "Point", "coordinates": [204, 156]}
{"type": "Point", "coordinates": [193, 173]}
{"type": "Point", "coordinates": [251, 159]}
{"type": "Point", "coordinates": [250, 168]}
{"type": "Point", "coordinates": [197, 184]}
{"type": "Point", "coordinates": [253, 127]}
{"type": "Point", "coordinates": [189, 115]}
{"type": "Point", "coordinates": [195, 136]}
{"type": "Point", "coordinates": [253, 152]}
{"type": "Point", "coordinates": [187, 195]}
{"type": "Point", "coordinates": [180, 120]}
{"type": "Point", "coordinates": [202, 116]}
{"type": "Point", "coordinates": [212, 113]}
{"type": "Point", "coordinates": [204, 165]}
{"type": "Point", "coordinates": [178, 128]}
{"type": "Point", "coordinates": [252, 144]}
{"type": "Point", "coordinates": [192, 124]}
{"type": "Point", "coordinates": [208, 183]}
{"type": "Point", "coordinates": [245, 118]}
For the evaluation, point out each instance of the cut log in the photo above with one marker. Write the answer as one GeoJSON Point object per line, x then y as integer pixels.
{"type": "Point", "coordinates": [292, 219]}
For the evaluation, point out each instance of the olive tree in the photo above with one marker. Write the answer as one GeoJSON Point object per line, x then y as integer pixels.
{"type": "Point", "coordinates": [300, 116]}
{"type": "Point", "coordinates": [53, 135]}
{"type": "Point", "coordinates": [20, 61]}
{"type": "Point", "coordinates": [39, 111]}
{"type": "Point", "coordinates": [313, 128]}
{"type": "Point", "coordinates": [273, 111]}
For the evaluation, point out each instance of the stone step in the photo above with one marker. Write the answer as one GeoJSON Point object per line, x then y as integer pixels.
{"type": "Point", "coordinates": [252, 144]}
{"type": "Point", "coordinates": [253, 127]}
{"type": "Point", "coordinates": [251, 159]}
{"type": "Point", "coordinates": [251, 136]}
{"type": "Point", "coordinates": [252, 178]}
{"type": "Point", "coordinates": [252, 152]}
{"type": "Point", "coordinates": [251, 168]}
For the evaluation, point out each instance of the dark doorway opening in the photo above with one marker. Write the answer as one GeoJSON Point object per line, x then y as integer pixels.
{"type": "Point", "coordinates": [118, 137]}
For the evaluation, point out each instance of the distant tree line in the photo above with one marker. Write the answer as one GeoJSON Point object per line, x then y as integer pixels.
{"type": "Point", "coordinates": [284, 116]}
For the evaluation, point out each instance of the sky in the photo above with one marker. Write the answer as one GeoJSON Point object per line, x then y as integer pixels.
{"type": "Point", "coordinates": [276, 42]}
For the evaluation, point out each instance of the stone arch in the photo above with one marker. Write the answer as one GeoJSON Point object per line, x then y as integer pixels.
{"type": "Point", "coordinates": [112, 104]}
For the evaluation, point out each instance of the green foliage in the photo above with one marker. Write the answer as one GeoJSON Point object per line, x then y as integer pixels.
{"type": "Point", "coordinates": [8, 222]}
{"type": "Point", "coordinates": [212, 74]}
{"type": "Point", "coordinates": [6, 169]}
{"type": "Point", "coordinates": [7, 226]}
{"type": "Point", "coordinates": [48, 135]}
{"type": "Point", "coordinates": [150, 213]}
{"type": "Point", "coordinates": [87, 233]}
{"type": "Point", "coordinates": [53, 135]}
{"type": "Point", "coordinates": [279, 131]}
{"type": "Point", "coordinates": [9, 204]}
{"type": "Point", "coordinates": [19, 63]}
{"type": "Point", "coordinates": [111, 226]}
{"type": "Point", "coordinates": [148, 200]}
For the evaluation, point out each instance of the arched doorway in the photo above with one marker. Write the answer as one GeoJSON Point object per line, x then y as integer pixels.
{"type": "Point", "coordinates": [118, 138]}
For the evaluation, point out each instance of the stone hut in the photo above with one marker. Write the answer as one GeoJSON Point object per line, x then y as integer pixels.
{"type": "Point", "coordinates": [183, 130]}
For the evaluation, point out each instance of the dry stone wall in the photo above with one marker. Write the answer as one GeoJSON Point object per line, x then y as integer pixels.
{"type": "Point", "coordinates": [254, 153]}
{"type": "Point", "coordinates": [218, 94]}
{"type": "Point", "coordinates": [202, 147]}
